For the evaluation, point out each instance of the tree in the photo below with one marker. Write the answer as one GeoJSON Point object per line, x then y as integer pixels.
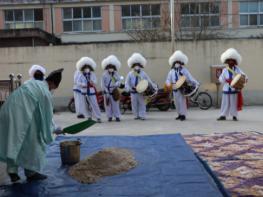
{"type": "Point", "coordinates": [193, 21]}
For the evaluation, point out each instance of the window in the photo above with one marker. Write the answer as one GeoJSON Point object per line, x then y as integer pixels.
{"type": "Point", "coordinates": [84, 19]}
{"type": "Point", "coordinates": [200, 14]}
{"type": "Point", "coordinates": [141, 16]}
{"type": "Point", "coordinates": [251, 13]}
{"type": "Point", "coordinates": [27, 18]}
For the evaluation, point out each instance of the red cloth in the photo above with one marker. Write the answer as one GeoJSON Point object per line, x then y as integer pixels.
{"type": "Point", "coordinates": [228, 81]}
{"type": "Point", "coordinates": [96, 92]}
{"type": "Point", "coordinates": [239, 101]}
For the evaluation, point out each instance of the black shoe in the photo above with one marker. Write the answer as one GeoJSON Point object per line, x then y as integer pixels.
{"type": "Point", "coordinates": [178, 117]}
{"type": "Point", "coordinates": [118, 119]}
{"type": "Point", "coordinates": [182, 118]}
{"type": "Point", "coordinates": [110, 119]}
{"type": "Point", "coordinates": [36, 177]}
{"type": "Point", "coordinates": [98, 120]}
{"type": "Point", "coordinates": [137, 118]}
{"type": "Point", "coordinates": [141, 118]}
{"type": "Point", "coordinates": [14, 177]}
{"type": "Point", "coordinates": [81, 116]}
{"type": "Point", "coordinates": [235, 118]}
{"type": "Point", "coordinates": [221, 118]}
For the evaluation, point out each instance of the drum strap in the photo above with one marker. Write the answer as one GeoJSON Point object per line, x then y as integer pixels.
{"type": "Point", "coordinates": [176, 76]}
{"type": "Point", "coordinates": [231, 72]}
{"type": "Point", "coordinates": [87, 76]}
{"type": "Point", "coordinates": [111, 80]}
{"type": "Point", "coordinates": [177, 73]}
{"type": "Point", "coordinates": [137, 78]}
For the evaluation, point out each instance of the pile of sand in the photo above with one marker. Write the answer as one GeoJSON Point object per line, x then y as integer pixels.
{"type": "Point", "coordinates": [107, 162]}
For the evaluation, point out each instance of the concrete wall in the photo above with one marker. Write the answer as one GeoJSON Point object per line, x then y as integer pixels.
{"type": "Point", "coordinates": [202, 54]}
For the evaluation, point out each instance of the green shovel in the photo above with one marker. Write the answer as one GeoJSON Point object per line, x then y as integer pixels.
{"type": "Point", "coordinates": [76, 128]}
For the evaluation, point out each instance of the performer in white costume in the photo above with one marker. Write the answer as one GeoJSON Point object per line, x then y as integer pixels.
{"type": "Point", "coordinates": [109, 82]}
{"type": "Point", "coordinates": [177, 62]}
{"type": "Point", "coordinates": [78, 97]}
{"type": "Point", "coordinates": [136, 63]}
{"type": "Point", "coordinates": [87, 81]}
{"type": "Point", "coordinates": [232, 99]}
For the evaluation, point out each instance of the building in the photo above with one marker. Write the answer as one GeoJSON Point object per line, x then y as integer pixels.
{"type": "Point", "coordinates": [118, 20]}
{"type": "Point", "coordinates": [97, 28]}
{"type": "Point", "coordinates": [27, 37]}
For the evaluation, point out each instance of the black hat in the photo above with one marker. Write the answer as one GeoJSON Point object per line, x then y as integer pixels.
{"type": "Point", "coordinates": [55, 76]}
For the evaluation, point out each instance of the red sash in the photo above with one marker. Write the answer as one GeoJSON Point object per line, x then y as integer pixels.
{"type": "Point", "coordinates": [239, 101]}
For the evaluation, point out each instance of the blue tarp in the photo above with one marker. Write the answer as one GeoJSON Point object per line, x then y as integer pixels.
{"type": "Point", "coordinates": [167, 167]}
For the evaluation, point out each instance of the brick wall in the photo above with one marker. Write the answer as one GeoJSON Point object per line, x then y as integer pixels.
{"type": "Point", "coordinates": [2, 22]}
{"type": "Point", "coordinates": [58, 23]}
{"type": "Point", "coordinates": [235, 14]}
{"type": "Point", "coordinates": [117, 18]}
{"type": "Point", "coordinates": [224, 14]}
{"type": "Point", "coordinates": [105, 18]}
{"type": "Point", "coordinates": [47, 19]}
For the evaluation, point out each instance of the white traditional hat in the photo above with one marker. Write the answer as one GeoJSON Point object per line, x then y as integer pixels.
{"type": "Point", "coordinates": [136, 58]}
{"type": "Point", "coordinates": [231, 53]}
{"type": "Point", "coordinates": [178, 56]}
{"type": "Point", "coordinates": [111, 60]}
{"type": "Point", "coordinates": [34, 68]}
{"type": "Point", "coordinates": [86, 61]}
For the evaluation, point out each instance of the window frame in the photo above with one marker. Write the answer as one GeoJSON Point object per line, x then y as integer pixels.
{"type": "Point", "coordinates": [248, 13]}
{"type": "Point", "coordinates": [141, 17]}
{"type": "Point", "coordinates": [200, 15]}
{"type": "Point", "coordinates": [14, 22]}
{"type": "Point", "coordinates": [82, 19]}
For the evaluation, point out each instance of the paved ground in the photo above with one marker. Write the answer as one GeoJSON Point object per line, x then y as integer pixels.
{"type": "Point", "coordinates": [251, 119]}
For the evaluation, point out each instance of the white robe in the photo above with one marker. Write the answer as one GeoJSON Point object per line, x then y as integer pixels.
{"type": "Point", "coordinates": [78, 98]}
{"type": "Point", "coordinates": [89, 102]}
{"type": "Point", "coordinates": [108, 84]}
{"type": "Point", "coordinates": [137, 100]}
{"type": "Point", "coordinates": [172, 78]}
{"type": "Point", "coordinates": [229, 96]}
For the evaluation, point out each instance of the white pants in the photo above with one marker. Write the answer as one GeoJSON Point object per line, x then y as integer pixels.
{"type": "Point", "coordinates": [113, 109]}
{"type": "Point", "coordinates": [229, 105]}
{"type": "Point", "coordinates": [85, 108]}
{"type": "Point", "coordinates": [92, 108]}
{"type": "Point", "coordinates": [77, 99]}
{"type": "Point", "coordinates": [180, 103]}
{"type": "Point", "coordinates": [138, 105]}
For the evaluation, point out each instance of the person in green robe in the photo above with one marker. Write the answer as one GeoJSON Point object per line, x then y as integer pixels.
{"type": "Point", "coordinates": [26, 127]}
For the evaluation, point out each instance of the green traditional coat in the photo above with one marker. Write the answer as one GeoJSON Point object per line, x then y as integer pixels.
{"type": "Point", "coordinates": [26, 125]}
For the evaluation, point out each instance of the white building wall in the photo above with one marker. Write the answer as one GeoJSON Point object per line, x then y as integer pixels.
{"type": "Point", "coordinates": [201, 54]}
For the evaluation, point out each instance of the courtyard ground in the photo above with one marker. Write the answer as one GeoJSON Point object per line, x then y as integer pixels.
{"type": "Point", "coordinates": [198, 122]}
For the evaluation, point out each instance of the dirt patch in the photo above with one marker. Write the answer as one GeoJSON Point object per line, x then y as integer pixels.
{"type": "Point", "coordinates": [107, 162]}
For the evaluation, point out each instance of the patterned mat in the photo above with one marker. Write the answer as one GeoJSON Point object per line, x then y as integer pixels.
{"type": "Point", "coordinates": [236, 158]}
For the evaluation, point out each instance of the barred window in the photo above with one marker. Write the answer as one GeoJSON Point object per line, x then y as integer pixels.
{"type": "Point", "coordinates": [146, 16]}
{"type": "Point", "coordinates": [82, 19]}
{"type": "Point", "coordinates": [251, 13]}
{"type": "Point", "coordinates": [26, 18]}
{"type": "Point", "coordinates": [200, 14]}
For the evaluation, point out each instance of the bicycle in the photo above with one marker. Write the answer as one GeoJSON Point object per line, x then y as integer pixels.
{"type": "Point", "coordinates": [202, 99]}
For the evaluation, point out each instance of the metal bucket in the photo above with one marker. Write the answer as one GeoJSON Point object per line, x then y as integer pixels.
{"type": "Point", "coordinates": [70, 152]}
